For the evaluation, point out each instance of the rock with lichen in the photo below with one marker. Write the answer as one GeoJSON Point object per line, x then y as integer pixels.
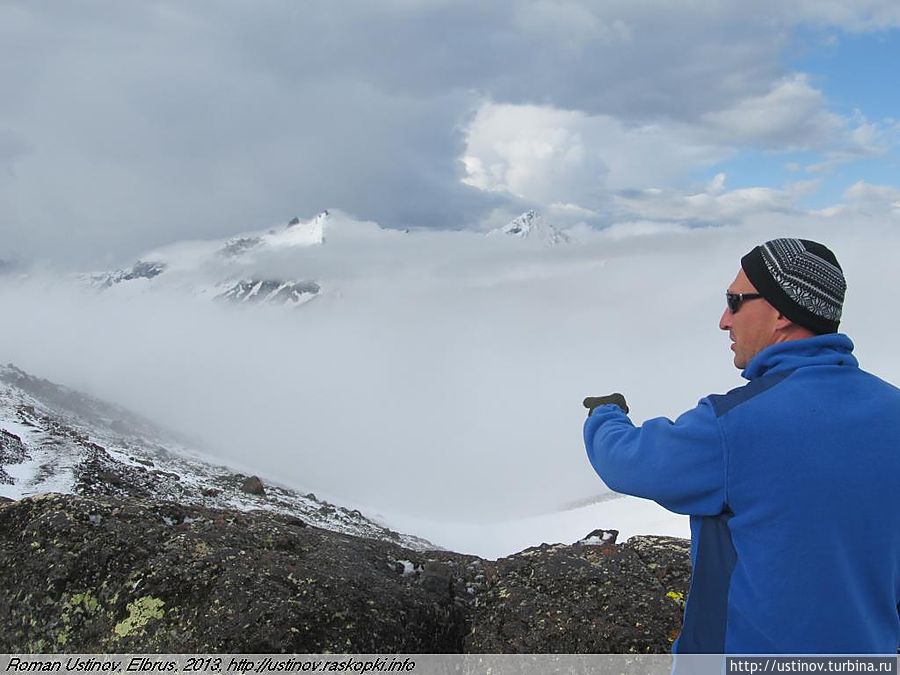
{"type": "Point", "coordinates": [94, 574]}
{"type": "Point", "coordinates": [590, 597]}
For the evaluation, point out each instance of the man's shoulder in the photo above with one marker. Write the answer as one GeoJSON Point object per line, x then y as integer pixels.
{"type": "Point", "coordinates": [879, 387]}
{"type": "Point", "coordinates": [725, 403]}
{"type": "Point", "coordinates": [856, 381]}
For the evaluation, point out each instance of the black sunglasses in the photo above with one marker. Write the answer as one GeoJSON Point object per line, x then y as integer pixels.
{"type": "Point", "coordinates": [735, 300]}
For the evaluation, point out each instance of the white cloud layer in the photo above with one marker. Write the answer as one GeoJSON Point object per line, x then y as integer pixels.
{"type": "Point", "coordinates": [715, 205]}
{"type": "Point", "coordinates": [439, 378]}
{"type": "Point", "coordinates": [445, 375]}
{"type": "Point", "coordinates": [868, 200]}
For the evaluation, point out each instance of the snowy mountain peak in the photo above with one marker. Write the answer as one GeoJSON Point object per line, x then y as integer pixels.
{"type": "Point", "coordinates": [320, 218]}
{"type": "Point", "coordinates": [299, 233]}
{"type": "Point", "coordinates": [522, 226]}
{"type": "Point", "coordinates": [530, 225]}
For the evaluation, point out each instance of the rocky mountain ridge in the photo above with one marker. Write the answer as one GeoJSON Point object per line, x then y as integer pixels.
{"type": "Point", "coordinates": [55, 439]}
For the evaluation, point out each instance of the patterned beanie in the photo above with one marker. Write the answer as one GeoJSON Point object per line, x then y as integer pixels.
{"type": "Point", "coordinates": [801, 279]}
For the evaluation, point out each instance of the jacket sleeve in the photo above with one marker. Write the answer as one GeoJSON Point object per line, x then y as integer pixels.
{"type": "Point", "coordinates": [680, 464]}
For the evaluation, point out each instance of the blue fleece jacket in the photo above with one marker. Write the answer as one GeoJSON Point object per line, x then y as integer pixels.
{"type": "Point", "coordinates": [792, 483]}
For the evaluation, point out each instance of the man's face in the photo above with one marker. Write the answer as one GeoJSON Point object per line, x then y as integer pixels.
{"type": "Point", "coordinates": [752, 327]}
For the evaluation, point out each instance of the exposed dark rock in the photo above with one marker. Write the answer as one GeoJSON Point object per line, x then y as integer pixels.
{"type": "Point", "coordinates": [142, 269]}
{"type": "Point", "coordinates": [600, 538]}
{"type": "Point", "coordinates": [106, 575]}
{"type": "Point", "coordinates": [668, 558]}
{"type": "Point", "coordinates": [294, 221]}
{"type": "Point", "coordinates": [92, 575]}
{"type": "Point", "coordinates": [12, 451]}
{"type": "Point", "coordinates": [11, 448]}
{"type": "Point", "coordinates": [236, 247]}
{"type": "Point", "coordinates": [288, 519]}
{"type": "Point", "coordinates": [270, 290]}
{"type": "Point", "coordinates": [294, 292]}
{"type": "Point", "coordinates": [100, 475]}
{"type": "Point", "coordinates": [254, 486]}
{"type": "Point", "coordinates": [574, 599]}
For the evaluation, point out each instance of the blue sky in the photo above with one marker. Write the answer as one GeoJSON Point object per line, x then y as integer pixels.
{"type": "Point", "coordinates": [856, 72]}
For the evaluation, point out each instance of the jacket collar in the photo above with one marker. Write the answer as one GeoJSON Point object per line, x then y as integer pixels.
{"type": "Point", "coordinates": [833, 349]}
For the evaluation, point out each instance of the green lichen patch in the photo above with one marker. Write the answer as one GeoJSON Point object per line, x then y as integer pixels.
{"type": "Point", "coordinates": [85, 603]}
{"type": "Point", "coordinates": [676, 596]}
{"type": "Point", "coordinates": [140, 613]}
{"type": "Point", "coordinates": [63, 638]}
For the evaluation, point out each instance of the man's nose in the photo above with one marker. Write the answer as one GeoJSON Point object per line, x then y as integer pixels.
{"type": "Point", "coordinates": [725, 320]}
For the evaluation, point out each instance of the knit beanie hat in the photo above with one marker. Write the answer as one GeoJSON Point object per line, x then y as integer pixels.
{"type": "Point", "coordinates": [801, 279]}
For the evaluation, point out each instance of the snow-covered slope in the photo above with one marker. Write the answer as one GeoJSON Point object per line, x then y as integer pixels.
{"type": "Point", "coordinates": [55, 439]}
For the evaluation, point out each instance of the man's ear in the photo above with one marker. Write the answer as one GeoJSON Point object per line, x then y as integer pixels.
{"type": "Point", "coordinates": [782, 322]}
{"type": "Point", "coordinates": [791, 330]}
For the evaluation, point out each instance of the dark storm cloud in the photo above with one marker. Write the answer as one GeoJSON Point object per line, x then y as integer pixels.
{"type": "Point", "coordinates": [155, 125]}
{"type": "Point", "coordinates": [643, 60]}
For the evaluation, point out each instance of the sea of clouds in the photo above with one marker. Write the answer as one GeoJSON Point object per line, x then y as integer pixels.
{"type": "Point", "coordinates": [438, 380]}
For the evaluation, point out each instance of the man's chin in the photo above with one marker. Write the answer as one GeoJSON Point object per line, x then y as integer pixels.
{"type": "Point", "coordinates": [737, 363]}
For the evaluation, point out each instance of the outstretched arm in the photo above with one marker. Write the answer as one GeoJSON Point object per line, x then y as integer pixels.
{"type": "Point", "coordinates": [680, 464]}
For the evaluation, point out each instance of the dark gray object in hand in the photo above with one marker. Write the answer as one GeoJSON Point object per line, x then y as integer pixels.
{"type": "Point", "coordinates": [592, 402]}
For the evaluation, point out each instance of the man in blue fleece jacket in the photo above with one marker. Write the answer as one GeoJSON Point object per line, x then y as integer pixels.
{"type": "Point", "coordinates": [792, 482]}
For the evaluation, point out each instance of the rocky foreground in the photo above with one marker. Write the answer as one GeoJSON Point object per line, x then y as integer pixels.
{"type": "Point", "coordinates": [105, 574]}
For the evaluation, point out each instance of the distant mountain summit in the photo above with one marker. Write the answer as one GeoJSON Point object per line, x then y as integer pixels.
{"type": "Point", "coordinates": [299, 233]}
{"type": "Point", "coordinates": [531, 225]}
{"type": "Point", "coordinates": [296, 261]}
{"type": "Point", "coordinates": [296, 233]}
{"type": "Point", "coordinates": [235, 270]}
